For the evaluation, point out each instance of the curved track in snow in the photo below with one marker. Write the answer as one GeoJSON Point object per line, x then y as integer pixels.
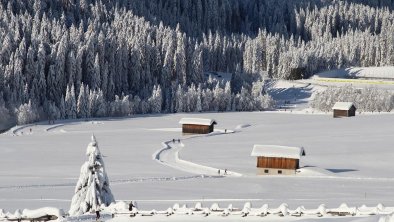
{"type": "Point", "coordinates": [169, 156]}
{"type": "Point", "coordinates": [53, 127]}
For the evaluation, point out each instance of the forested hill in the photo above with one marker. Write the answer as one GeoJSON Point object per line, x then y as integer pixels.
{"type": "Point", "coordinates": [88, 58]}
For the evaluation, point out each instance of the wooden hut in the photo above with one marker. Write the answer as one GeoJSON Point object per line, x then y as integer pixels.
{"type": "Point", "coordinates": [197, 125]}
{"type": "Point", "coordinates": [343, 109]}
{"type": "Point", "coordinates": [273, 159]}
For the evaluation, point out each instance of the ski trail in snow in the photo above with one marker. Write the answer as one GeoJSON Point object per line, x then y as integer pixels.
{"type": "Point", "coordinates": [14, 131]}
{"type": "Point", "coordinates": [169, 156]}
{"type": "Point", "coordinates": [113, 182]}
{"type": "Point", "coordinates": [53, 127]}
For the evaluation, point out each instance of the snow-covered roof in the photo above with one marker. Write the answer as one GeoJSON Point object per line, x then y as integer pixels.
{"type": "Point", "coordinates": [278, 151]}
{"type": "Point", "coordinates": [342, 105]}
{"type": "Point", "coordinates": [197, 121]}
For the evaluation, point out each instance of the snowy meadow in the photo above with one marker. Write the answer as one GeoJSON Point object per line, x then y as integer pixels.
{"type": "Point", "coordinates": [348, 161]}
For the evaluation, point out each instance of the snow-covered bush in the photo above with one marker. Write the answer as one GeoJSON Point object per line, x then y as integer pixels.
{"type": "Point", "coordinates": [92, 189]}
{"type": "Point", "coordinates": [26, 114]}
{"type": "Point", "coordinates": [120, 106]}
{"type": "Point", "coordinates": [156, 100]}
{"type": "Point", "coordinates": [247, 101]}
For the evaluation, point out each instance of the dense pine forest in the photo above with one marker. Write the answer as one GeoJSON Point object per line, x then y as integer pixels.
{"type": "Point", "coordinates": [65, 59]}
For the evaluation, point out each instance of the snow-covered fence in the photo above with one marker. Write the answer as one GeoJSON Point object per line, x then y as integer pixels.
{"type": "Point", "coordinates": [42, 214]}
{"type": "Point", "coordinates": [282, 210]}
{"type": "Point", "coordinates": [120, 209]}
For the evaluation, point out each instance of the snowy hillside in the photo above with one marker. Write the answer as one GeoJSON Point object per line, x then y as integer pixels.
{"type": "Point", "coordinates": [87, 58]}
{"type": "Point", "coordinates": [41, 167]}
{"type": "Point", "coordinates": [385, 72]}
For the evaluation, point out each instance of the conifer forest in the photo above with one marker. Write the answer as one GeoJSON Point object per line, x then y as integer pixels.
{"type": "Point", "coordinates": [67, 59]}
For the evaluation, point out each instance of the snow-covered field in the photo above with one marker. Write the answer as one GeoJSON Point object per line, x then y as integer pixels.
{"type": "Point", "coordinates": [360, 77]}
{"type": "Point", "coordinates": [347, 160]}
{"type": "Point", "coordinates": [384, 72]}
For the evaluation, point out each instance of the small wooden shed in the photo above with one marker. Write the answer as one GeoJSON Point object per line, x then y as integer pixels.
{"type": "Point", "coordinates": [197, 125]}
{"type": "Point", "coordinates": [343, 109]}
{"type": "Point", "coordinates": [273, 159]}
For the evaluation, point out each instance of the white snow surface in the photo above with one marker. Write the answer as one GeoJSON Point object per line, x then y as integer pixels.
{"type": "Point", "coordinates": [277, 151]}
{"type": "Point", "coordinates": [349, 161]}
{"type": "Point", "coordinates": [197, 121]}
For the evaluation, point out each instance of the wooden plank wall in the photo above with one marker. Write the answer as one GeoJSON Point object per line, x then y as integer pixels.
{"type": "Point", "coordinates": [277, 162]}
{"type": "Point", "coordinates": [199, 129]}
{"type": "Point", "coordinates": [339, 113]}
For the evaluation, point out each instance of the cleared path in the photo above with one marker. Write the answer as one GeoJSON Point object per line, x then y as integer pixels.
{"type": "Point", "coordinates": [169, 156]}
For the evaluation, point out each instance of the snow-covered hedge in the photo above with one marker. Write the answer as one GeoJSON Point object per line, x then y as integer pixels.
{"type": "Point", "coordinates": [366, 100]}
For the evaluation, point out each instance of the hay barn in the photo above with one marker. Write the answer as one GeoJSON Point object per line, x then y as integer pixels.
{"type": "Point", "coordinates": [197, 125]}
{"type": "Point", "coordinates": [343, 109]}
{"type": "Point", "coordinates": [276, 160]}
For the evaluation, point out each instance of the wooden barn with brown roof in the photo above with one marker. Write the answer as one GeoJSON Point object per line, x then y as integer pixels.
{"type": "Point", "coordinates": [343, 109]}
{"type": "Point", "coordinates": [197, 125]}
{"type": "Point", "coordinates": [274, 160]}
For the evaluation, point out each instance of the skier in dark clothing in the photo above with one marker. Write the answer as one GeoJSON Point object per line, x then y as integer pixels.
{"type": "Point", "coordinates": [97, 214]}
{"type": "Point", "coordinates": [131, 205]}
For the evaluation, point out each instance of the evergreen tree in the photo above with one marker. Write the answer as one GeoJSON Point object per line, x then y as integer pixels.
{"type": "Point", "coordinates": [101, 110]}
{"type": "Point", "coordinates": [83, 103]}
{"type": "Point", "coordinates": [96, 78]}
{"type": "Point", "coordinates": [70, 103]}
{"type": "Point", "coordinates": [71, 68]}
{"type": "Point", "coordinates": [41, 92]}
{"type": "Point", "coordinates": [199, 103]}
{"type": "Point", "coordinates": [180, 57]}
{"type": "Point", "coordinates": [179, 100]}
{"type": "Point", "coordinates": [156, 100]}
{"type": "Point", "coordinates": [227, 96]}
{"type": "Point", "coordinates": [92, 189]}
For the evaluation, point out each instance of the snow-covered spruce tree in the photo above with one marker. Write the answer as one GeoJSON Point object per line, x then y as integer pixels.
{"type": "Point", "coordinates": [83, 103]}
{"type": "Point", "coordinates": [156, 100]}
{"type": "Point", "coordinates": [92, 189]}
{"type": "Point", "coordinates": [70, 103]}
{"type": "Point", "coordinates": [4, 112]}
